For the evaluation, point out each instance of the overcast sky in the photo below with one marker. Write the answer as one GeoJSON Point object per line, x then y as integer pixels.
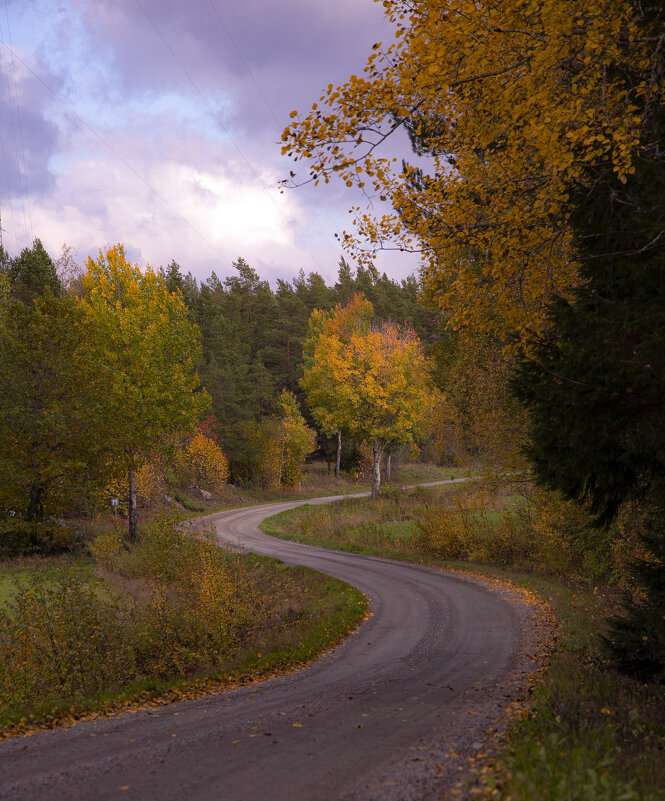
{"type": "Point", "coordinates": [157, 122]}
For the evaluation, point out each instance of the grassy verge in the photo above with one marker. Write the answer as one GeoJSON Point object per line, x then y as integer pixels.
{"type": "Point", "coordinates": [173, 617]}
{"type": "Point", "coordinates": [590, 734]}
{"type": "Point", "coordinates": [317, 481]}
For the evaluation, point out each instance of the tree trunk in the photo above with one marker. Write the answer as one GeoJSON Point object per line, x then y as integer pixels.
{"type": "Point", "coordinates": [133, 509]}
{"type": "Point", "coordinates": [36, 505]}
{"type": "Point", "coordinates": [338, 455]}
{"type": "Point", "coordinates": [388, 462]}
{"type": "Point", "coordinates": [377, 451]}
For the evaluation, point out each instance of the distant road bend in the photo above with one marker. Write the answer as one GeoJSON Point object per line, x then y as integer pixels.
{"type": "Point", "coordinates": [392, 714]}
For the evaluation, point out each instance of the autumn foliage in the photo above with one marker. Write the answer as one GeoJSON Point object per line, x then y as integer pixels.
{"type": "Point", "coordinates": [205, 463]}
{"type": "Point", "coordinates": [149, 349]}
{"type": "Point", "coordinates": [276, 447]}
{"type": "Point", "coordinates": [506, 103]}
{"type": "Point", "coordinates": [370, 381]}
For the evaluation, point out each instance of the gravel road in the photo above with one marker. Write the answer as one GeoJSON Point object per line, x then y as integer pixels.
{"type": "Point", "coordinates": [392, 714]}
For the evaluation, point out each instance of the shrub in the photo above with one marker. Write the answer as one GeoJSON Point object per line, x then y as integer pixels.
{"type": "Point", "coordinates": [106, 548]}
{"type": "Point", "coordinates": [275, 449]}
{"type": "Point", "coordinates": [150, 483]}
{"type": "Point", "coordinates": [205, 464]}
{"type": "Point", "coordinates": [60, 640]}
{"type": "Point", "coordinates": [194, 599]}
{"type": "Point", "coordinates": [20, 537]}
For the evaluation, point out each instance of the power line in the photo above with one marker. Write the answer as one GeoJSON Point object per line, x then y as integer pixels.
{"type": "Point", "coordinates": [17, 133]}
{"type": "Point", "coordinates": [279, 123]}
{"type": "Point", "coordinates": [243, 62]}
{"type": "Point", "coordinates": [226, 131]}
{"type": "Point", "coordinates": [120, 158]}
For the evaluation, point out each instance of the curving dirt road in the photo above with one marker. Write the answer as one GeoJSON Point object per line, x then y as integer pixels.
{"type": "Point", "coordinates": [392, 714]}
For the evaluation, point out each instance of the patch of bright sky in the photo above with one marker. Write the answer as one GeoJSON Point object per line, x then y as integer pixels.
{"type": "Point", "coordinates": [85, 68]}
{"type": "Point", "coordinates": [191, 111]}
{"type": "Point", "coordinates": [59, 31]}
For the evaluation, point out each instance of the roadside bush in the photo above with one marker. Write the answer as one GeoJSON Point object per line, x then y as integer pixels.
{"type": "Point", "coordinates": [443, 533]}
{"type": "Point", "coordinates": [539, 530]}
{"type": "Point", "coordinates": [19, 537]}
{"type": "Point", "coordinates": [192, 600]}
{"type": "Point", "coordinates": [106, 548]}
{"type": "Point", "coordinates": [204, 464]}
{"type": "Point", "coordinates": [60, 639]}
{"type": "Point", "coordinates": [185, 604]}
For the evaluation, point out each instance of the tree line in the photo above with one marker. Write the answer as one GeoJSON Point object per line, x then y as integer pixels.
{"type": "Point", "coordinates": [110, 370]}
{"type": "Point", "coordinates": [252, 339]}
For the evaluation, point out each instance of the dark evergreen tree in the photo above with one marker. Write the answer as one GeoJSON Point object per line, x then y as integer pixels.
{"type": "Point", "coordinates": [185, 284]}
{"type": "Point", "coordinates": [637, 638]}
{"type": "Point", "coordinates": [595, 386]}
{"type": "Point", "coordinates": [33, 273]}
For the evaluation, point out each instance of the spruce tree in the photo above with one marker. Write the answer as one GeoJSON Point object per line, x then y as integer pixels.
{"type": "Point", "coordinates": [595, 383]}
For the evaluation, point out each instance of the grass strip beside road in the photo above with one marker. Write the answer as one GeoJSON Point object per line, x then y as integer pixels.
{"type": "Point", "coordinates": [588, 733]}
{"type": "Point", "coordinates": [303, 614]}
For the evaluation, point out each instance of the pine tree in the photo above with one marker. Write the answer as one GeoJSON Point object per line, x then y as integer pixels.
{"type": "Point", "coordinates": [33, 273]}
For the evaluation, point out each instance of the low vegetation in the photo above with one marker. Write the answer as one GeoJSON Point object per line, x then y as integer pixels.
{"type": "Point", "coordinates": [590, 733]}
{"type": "Point", "coordinates": [167, 614]}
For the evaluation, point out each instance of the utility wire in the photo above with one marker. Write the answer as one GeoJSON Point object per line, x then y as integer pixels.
{"type": "Point", "coordinates": [217, 116]}
{"type": "Point", "coordinates": [243, 62]}
{"type": "Point", "coordinates": [17, 134]}
{"type": "Point", "coordinates": [278, 122]}
{"type": "Point", "coordinates": [26, 197]}
{"type": "Point", "coordinates": [134, 171]}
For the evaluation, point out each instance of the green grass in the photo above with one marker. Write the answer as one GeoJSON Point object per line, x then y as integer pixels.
{"type": "Point", "coordinates": [18, 572]}
{"type": "Point", "coordinates": [422, 473]}
{"type": "Point", "coordinates": [591, 734]}
{"type": "Point", "coordinates": [304, 614]}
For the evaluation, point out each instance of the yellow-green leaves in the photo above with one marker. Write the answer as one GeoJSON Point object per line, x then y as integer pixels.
{"type": "Point", "coordinates": [278, 445]}
{"type": "Point", "coordinates": [149, 349]}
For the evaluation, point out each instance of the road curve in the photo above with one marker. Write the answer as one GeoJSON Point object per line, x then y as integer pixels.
{"type": "Point", "coordinates": [383, 716]}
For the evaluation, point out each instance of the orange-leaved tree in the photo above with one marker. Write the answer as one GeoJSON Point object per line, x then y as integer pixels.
{"type": "Point", "coordinates": [506, 104]}
{"type": "Point", "coordinates": [150, 349]}
{"type": "Point", "coordinates": [373, 382]}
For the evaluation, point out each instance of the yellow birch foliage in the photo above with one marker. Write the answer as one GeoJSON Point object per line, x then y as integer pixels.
{"type": "Point", "coordinates": [295, 440]}
{"type": "Point", "coordinates": [508, 102]}
{"type": "Point", "coordinates": [482, 420]}
{"type": "Point", "coordinates": [373, 384]}
{"type": "Point", "coordinates": [150, 349]}
{"type": "Point", "coordinates": [279, 445]}
{"type": "Point", "coordinates": [205, 463]}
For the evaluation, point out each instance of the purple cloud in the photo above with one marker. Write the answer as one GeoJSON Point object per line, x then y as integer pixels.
{"type": "Point", "coordinates": [172, 170]}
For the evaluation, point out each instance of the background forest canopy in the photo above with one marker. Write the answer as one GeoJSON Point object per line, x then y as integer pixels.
{"type": "Point", "coordinates": [191, 368]}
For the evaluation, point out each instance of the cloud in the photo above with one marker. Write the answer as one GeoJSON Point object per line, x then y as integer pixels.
{"type": "Point", "coordinates": [27, 138]}
{"type": "Point", "coordinates": [173, 147]}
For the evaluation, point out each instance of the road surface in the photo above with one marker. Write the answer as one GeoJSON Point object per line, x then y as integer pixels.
{"type": "Point", "coordinates": [392, 714]}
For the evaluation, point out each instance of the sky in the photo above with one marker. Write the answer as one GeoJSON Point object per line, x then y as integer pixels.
{"type": "Point", "coordinates": [156, 123]}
